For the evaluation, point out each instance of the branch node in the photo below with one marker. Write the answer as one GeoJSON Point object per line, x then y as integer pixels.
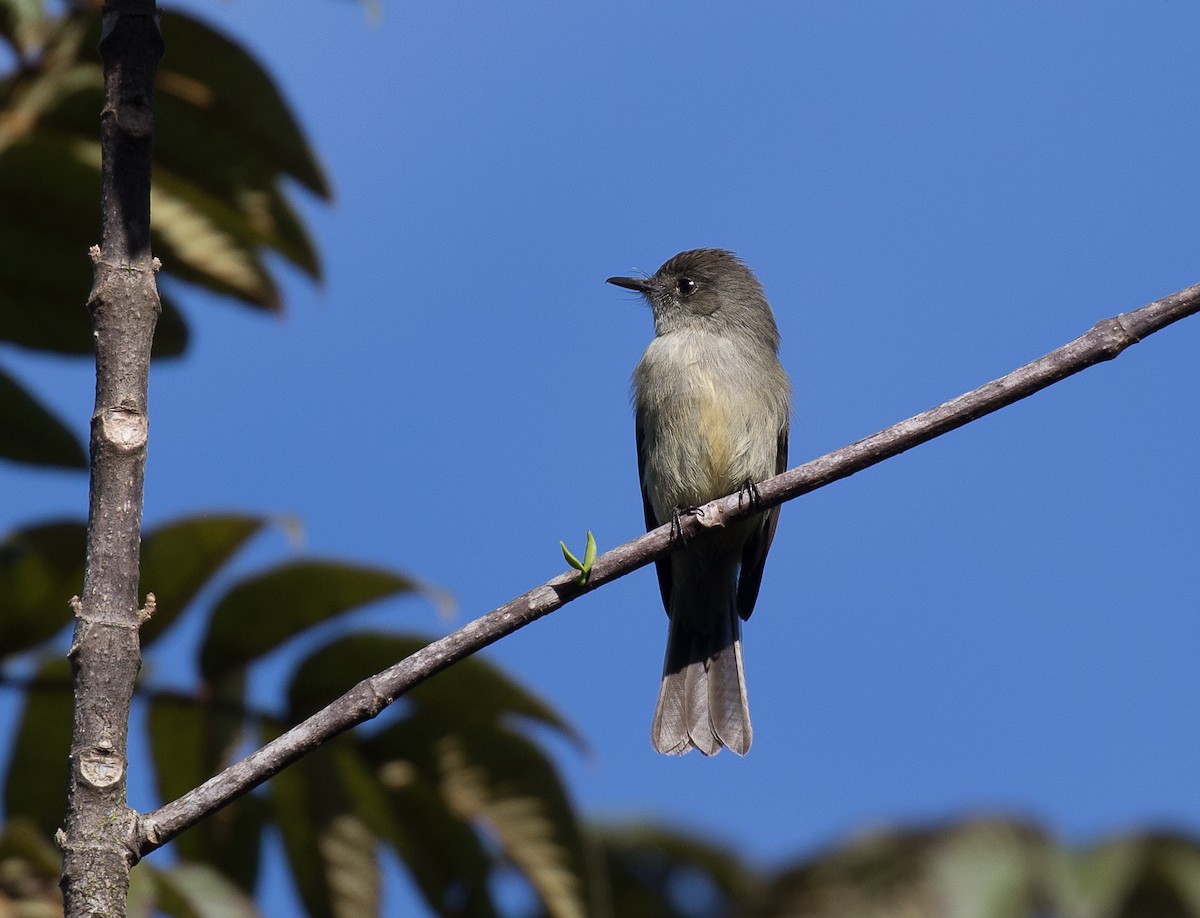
{"type": "Point", "coordinates": [378, 699]}
{"type": "Point", "coordinates": [136, 118]}
{"type": "Point", "coordinates": [101, 766]}
{"type": "Point", "coordinates": [146, 611]}
{"type": "Point", "coordinates": [124, 427]}
{"type": "Point", "coordinates": [149, 829]}
{"type": "Point", "coordinates": [1114, 337]}
{"type": "Point", "coordinates": [1128, 332]}
{"type": "Point", "coordinates": [709, 517]}
{"type": "Point", "coordinates": [125, 267]}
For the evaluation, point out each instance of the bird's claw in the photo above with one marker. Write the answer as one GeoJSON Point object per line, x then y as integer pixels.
{"type": "Point", "coordinates": [677, 516]}
{"type": "Point", "coordinates": [749, 491]}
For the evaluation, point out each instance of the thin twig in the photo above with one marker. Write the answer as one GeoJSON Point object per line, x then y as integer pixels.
{"type": "Point", "coordinates": [1104, 342]}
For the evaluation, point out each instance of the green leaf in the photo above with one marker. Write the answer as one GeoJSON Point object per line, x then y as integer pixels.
{"type": "Point", "coordinates": [22, 841]}
{"type": "Point", "coordinates": [291, 795]}
{"type": "Point", "coordinates": [218, 166]}
{"type": "Point", "coordinates": [226, 144]}
{"type": "Point", "coordinates": [999, 868]}
{"type": "Point", "coordinates": [993, 867]}
{"type": "Point", "coordinates": [143, 892]}
{"type": "Point", "coordinates": [1153, 873]}
{"type": "Point", "coordinates": [503, 782]}
{"type": "Point", "coordinates": [18, 19]}
{"type": "Point", "coordinates": [193, 738]}
{"type": "Point", "coordinates": [199, 891]}
{"type": "Point", "coordinates": [260, 613]}
{"type": "Point", "coordinates": [30, 433]}
{"type": "Point", "coordinates": [37, 771]}
{"type": "Point", "coordinates": [227, 718]}
{"type": "Point", "coordinates": [207, 242]}
{"type": "Point", "coordinates": [41, 568]}
{"type": "Point", "coordinates": [31, 868]}
{"type": "Point", "coordinates": [435, 841]}
{"type": "Point", "coordinates": [180, 557]}
{"type": "Point", "coordinates": [1097, 879]}
{"type": "Point", "coordinates": [441, 851]}
{"type": "Point", "coordinates": [648, 865]}
{"type": "Point", "coordinates": [507, 787]}
{"type": "Point", "coordinates": [1177, 860]}
{"type": "Point", "coordinates": [589, 554]}
{"type": "Point", "coordinates": [348, 850]}
{"type": "Point", "coordinates": [472, 691]}
{"type": "Point", "coordinates": [48, 193]}
{"type": "Point", "coordinates": [238, 111]}
{"type": "Point", "coordinates": [189, 742]}
{"type": "Point", "coordinates": [589, 558]}
{"type": "Point", "coordinates": [179, 743]}
{"type": "Point", "coordinates": [570, 558]}
{"type": "Point", "coordinates": [309, 804]}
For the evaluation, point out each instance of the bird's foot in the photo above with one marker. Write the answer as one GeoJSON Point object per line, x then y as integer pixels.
{"type": "Point", "coordinates": [748, 491]}
{"type": "Point", "coordinates": [677, 516]}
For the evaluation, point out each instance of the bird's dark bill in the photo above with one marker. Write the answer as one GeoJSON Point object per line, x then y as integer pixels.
{"type": "Point", "coordinates": [640, 284]}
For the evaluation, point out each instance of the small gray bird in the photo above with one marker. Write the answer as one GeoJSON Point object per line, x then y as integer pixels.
{"type": "Point", "coordinates": [711, 402]}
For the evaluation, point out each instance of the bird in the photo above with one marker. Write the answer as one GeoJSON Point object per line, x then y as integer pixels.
{"type": "Point", "coordinates": [712, 408]}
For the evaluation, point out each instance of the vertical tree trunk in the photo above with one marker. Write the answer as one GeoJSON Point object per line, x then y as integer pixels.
{"type": "Point", "coordinates": [124, 305]}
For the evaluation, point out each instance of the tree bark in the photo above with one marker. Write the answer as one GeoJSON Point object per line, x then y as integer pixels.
{"type": "Point", "coordinates": [124, 306]}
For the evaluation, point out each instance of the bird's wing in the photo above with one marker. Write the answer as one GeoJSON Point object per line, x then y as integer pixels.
{"type": "Point", "coordinates": [663, 564]}
{"type": "Point", "coordinates": [754, 554]}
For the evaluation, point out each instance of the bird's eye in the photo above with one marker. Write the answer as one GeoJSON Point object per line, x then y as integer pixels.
{"type": "Point", "coordinates": [686, 286]}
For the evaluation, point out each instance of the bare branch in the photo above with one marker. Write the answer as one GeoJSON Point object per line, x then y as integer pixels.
{"type": "Point", "coordinates": [1104, 342]}
{"type": "Point", "coordinates": [124, 306]}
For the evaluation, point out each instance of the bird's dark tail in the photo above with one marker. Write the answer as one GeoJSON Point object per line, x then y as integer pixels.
{"type": "Point", "coordinates": [702, 699]}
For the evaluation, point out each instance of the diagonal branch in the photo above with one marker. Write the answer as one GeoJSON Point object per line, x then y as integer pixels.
{"type": "Point", "coordinates": [1104, 342]}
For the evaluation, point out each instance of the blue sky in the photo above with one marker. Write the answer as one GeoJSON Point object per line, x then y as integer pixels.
{"type": "Point", "coordinates": [932, 194]}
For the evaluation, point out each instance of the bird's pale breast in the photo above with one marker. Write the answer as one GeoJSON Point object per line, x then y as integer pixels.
{"type": "Point", "coordinates": [698, 441]}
